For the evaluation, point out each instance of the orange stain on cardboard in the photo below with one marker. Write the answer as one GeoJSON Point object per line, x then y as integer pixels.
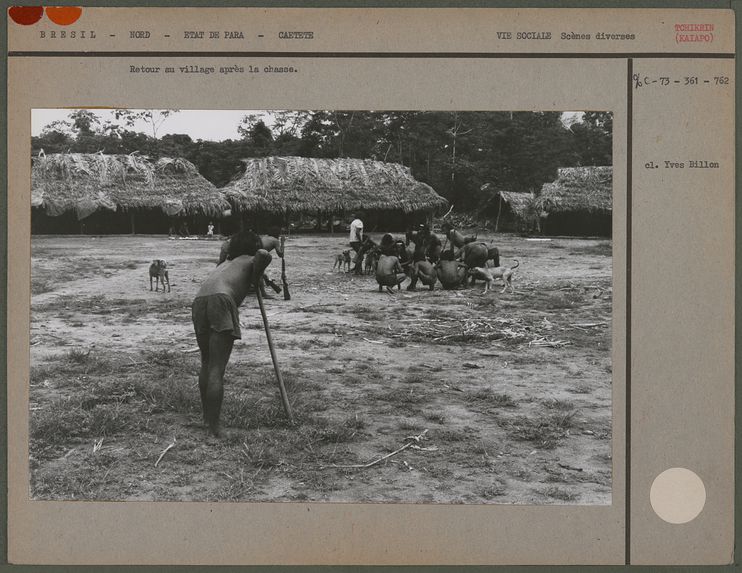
{"type": "Point", "coordinates": [63, 15]}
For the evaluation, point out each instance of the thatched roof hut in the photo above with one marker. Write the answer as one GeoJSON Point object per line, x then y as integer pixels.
{"type": "Point", "coordinates": [580, 189]}
{"type": "Point", "coordinates": [578, 202]}
{"type": "Point", "coordinates": [298, 185]}
{"type": "Point", "coordinates": [519, 203]}
{"type": "Point", "coordinates": [87, 183]}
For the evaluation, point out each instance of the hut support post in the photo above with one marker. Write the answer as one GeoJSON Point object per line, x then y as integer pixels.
{"type": "Point", "coordinates": [132, 223]}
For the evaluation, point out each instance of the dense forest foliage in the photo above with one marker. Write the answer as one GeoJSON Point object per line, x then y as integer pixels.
{"type": "Point", "coordinates": [464, 156]}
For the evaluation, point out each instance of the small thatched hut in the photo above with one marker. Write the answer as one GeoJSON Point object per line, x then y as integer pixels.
{"type": "Point", "coordinates": [516, 211]}
{"type": "Point", "coordinates": [281, 189]}
{"type": "Point", "coordinates": [96, 193]}
{"type": "Point", "coordinates": [580, 201]}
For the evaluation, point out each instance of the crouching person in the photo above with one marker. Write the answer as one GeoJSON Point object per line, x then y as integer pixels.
{"type": "Point", "coordinates": [216, 319]}
{"type": "Point", "coordinates": [389, 272]}
{"type": "Point", "coordinates": [424, 271]}
{"type": "Point", "coordinates": [450, 272]}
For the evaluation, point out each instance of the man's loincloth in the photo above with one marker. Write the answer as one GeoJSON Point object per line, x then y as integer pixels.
{"type": "Point", "coordinates": [390, 279]}
{"type": "Point", "coordinates": [217, 312]}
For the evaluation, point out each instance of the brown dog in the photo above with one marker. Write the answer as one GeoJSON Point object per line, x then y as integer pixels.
{"type": "Point", "coordinates": [488, 275]}
{"type": "Point", "coordinates": [372, 259]}
{"type": "Point", "coordinates": [342, 261]}
{"type": "Point", "coordinates": [158, 271]}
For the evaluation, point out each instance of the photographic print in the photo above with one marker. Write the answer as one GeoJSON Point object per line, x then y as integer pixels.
{"type": "Point", "coordinates": [321, 305]}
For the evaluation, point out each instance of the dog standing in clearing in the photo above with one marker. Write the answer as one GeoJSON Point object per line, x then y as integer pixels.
{"type": "Point", "coordinates": [158, 271]}
{"type": "Point", "coordinates": [342, 261]}
{"type": "Point", "coordinates": [488, 275]}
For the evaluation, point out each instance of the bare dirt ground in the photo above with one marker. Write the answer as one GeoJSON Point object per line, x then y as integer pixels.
{"type": "Point", "coordinates": [511, 391]}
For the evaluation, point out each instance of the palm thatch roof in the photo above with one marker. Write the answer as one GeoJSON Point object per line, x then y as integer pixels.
{"type": "Point", "coordinates": [588, 189]}
{"type": "Point", "coordinates": [85, 183]}
{"type": "Point", "coordinates": [520, 203]}
{"type": "Point", "coordinates": [306, 184]}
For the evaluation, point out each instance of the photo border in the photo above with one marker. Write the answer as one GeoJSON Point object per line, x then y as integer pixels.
{"type": "Point", "coordinates": [734, 4]}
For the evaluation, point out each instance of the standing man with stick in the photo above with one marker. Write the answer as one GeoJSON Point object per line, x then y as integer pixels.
{"type": "Point", "coordinates": [356, 240]}
{"type": "Point", "coordinates": [272, 241]}
{"type": "Point", "coordinates": [216, 320]}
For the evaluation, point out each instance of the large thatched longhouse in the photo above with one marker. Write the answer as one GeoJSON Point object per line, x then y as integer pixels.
{"type": "Point", "coordinates": [96, 193]}
{"type": "Point", "coordinates": [578, 202]}
{"type": "Point", "coordinates": [285, 189]}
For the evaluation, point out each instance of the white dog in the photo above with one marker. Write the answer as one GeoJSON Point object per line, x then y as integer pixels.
{"type": "Point", "coordinates": [488, 275]}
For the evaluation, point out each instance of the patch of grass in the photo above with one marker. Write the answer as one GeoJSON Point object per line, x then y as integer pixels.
{"type": "Point", "coordinates": [543, 431]}
{"type": "Point", "coordinates": [554, 404]}
{"type": "Point", "coordinates": [580, 389]}
{"type": "Point", "coordinates": [365, 313]}
{"type": "Point", "coordinates": [402, 396]}
{"type": "Point", "coordinates": [562, 300]}
{"type": "Point", "coordinates": [442, 473]}
{"type": "Point", "coordinates": [40, 286]}
{"type": "Point", "coordinates": [245, 409]}
{"type": "Point", "coordinates": [84, 480]}
{"type": "Point", "coordinates": [336, 431]}
{"type": "Point", "coordinates": [56, 422]}
{"type": "Point", "coordinates": [490, 491]}
{"type": "Point", "coordinates": [236, 487]}
{"type": "Point", "coordinates": [161, 357]}
{"type": "Point", "coordinates": [106, 419]}
{"type": "Point", "coordinates": [561, 494]}
{"type": "Point", "coordinates": [41, 372]}
{"type": "Point", "coordinates": [436, 417]}
{"type": "Point", "coordinates": [489, 396]}
{"type": "Point", "coordinates": [482, 448]}
{"type": "Point", "coordinates": [407, 424]}
{"type": "Point", "coordinates": [77, 356]}
{"type": "Point", "coordinates": [62, 419]}
{"type": "Point", "coordinates": [307, 344]}
{"type": "Point", "coordinates": [170, 393]}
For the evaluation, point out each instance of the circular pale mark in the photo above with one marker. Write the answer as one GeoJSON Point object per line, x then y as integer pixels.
{"type": "Point", "coordinates": [25, 15]}
{"type": "Point", "coordinates": [677, 495]}
{"type": "Point", "coordinates": [63, 15]}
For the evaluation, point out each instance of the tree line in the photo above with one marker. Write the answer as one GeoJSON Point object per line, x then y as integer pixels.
{"type": "Point", "coordinates": [465, 156]}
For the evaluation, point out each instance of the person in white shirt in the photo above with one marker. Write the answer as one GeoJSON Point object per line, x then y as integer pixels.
{"type": "Point", "coordinates": [356, 239]}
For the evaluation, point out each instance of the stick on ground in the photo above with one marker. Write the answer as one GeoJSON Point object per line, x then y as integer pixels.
{"type": "Point", "coordinates": [162, 455]}
{"type": "Point", "coordinates": [414, 440]}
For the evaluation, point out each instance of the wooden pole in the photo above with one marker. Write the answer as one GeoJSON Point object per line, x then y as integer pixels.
{"type": "Point", "coordinates": [286, 294]}
{"type": "Point", "coordinates": [499, 210]}
{"type": "Point", "coordinates": [281, 387]}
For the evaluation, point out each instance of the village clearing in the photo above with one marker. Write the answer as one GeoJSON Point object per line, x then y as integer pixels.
{"type": "Point", "coordinates": [507, 395]}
